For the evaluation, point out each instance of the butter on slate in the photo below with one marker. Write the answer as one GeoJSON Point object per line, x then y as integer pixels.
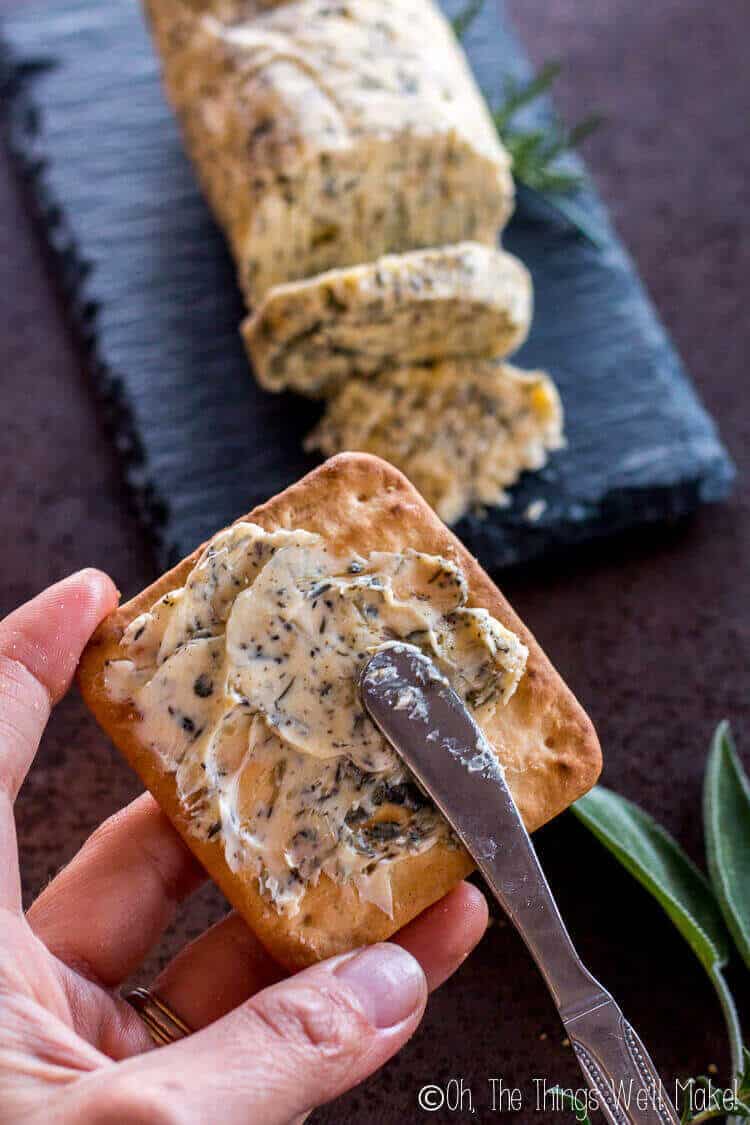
{"type": "Point", "coordinates": [326, 136]}
{"type": "Point", "coordinates": [463, 431]}
{"type": "Point", "coordinates": [452, 301]}
{"type": "Point", "coordinates": [330, 134]}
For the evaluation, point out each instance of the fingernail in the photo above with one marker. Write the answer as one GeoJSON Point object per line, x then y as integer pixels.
{"type": "Point", "coordinates": [92, 576]}
{"type": "Point", "coordinates": [387, 981]}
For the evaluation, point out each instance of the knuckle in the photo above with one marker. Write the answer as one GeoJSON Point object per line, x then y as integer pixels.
{"type": "Point", "coordinates": [160, 857]}
{"type": "Point", "coordinates": [18, 682]}
{"type": "Point", "coordinates": [106, 837]}
{"type": "Point", "coordinates": [130, 1099]}
{"type": "Point", "coordinates": [319, 1019]}
{"type": "Point", "coordinates": [24, 708]}
{"type": "Point", "coordinates": [103, 832]}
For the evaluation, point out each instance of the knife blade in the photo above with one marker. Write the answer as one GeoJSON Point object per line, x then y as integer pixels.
{"type": "Point", "coordinates": [428, 725]}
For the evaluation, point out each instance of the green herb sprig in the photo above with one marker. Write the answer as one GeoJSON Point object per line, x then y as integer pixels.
{"type": "Point", "coordinates": [711, 913]}
{"type": "Point", "coordinates": [536, 152]}
{"type": "Point", "coordinates": [658, 862]}
{"type": "Point", "coordinates": [571, 1101]}
{"type": "Point", "coordinates": [718, 1102]}
{"type": "Point", "coordinates": [465, 18]}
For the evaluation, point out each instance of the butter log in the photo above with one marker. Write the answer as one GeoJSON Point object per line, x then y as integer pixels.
{"type": "Point", "coordinates": [326, 134]}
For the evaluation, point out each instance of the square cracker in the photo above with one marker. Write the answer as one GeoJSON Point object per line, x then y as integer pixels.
{"type": "Point", "coordinates": [543, 737]}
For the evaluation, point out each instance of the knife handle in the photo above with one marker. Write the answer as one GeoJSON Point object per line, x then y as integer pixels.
{"type": "Point", "coordinates": [618, 1067]}
{"type": "Point", "coordinates": [453, 762]}
{"type": "Point", "coordinates": [614, 1062]}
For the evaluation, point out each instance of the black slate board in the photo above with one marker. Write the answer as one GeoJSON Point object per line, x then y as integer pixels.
{"type": "Point", "coordinates": [151, 290]}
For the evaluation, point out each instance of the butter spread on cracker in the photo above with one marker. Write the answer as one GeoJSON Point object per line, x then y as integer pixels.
{"type": "Point", "coordinates": [245, 681]}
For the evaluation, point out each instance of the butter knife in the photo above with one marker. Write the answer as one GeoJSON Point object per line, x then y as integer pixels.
{"type": "Point", "coordinates": [418, 712]}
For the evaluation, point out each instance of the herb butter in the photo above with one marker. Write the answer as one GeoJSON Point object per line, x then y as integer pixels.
{"type": "Point", "coordinates": [243, 682]}
{"type": "Point", "coordinates": [463, 431]}
{"type": "Point", "coordinates": [453, 301]}
{"type": "Point", "coordinates": [327, 134]}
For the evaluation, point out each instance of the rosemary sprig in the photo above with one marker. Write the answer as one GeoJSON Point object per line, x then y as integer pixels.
{"type": "Point", "coordinates": [465, 18]}
{"type": "Point", "coordinates": [536, 152]}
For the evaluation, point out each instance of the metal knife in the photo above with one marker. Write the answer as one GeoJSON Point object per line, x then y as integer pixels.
{"type": "Point", "coordinates": [421, 716]}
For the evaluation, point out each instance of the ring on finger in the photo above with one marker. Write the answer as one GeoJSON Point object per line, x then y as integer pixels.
{"type": "Point", "coordinates": [163, 1025]}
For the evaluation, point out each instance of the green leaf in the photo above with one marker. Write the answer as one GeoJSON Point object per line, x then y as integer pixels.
{"type": "Point", "coordinates": [517, 94]}
{"type": "Point", "coordinates": [535, 152]}
{"type": "Point", "coordinates": [584, 128]}
{"type": "Point", "coordinates": [659, 863]}
{"type": "Point", "coordinates": [465, 18]}
{"type": "Point", "coordinates": [716, 1102]}
{"type": "Point", "coordinates": [726, 816]}
{"type": "Point", "coordinates": [569, 1100]}
{"type": "Point", "coordinates": [743, 1087]}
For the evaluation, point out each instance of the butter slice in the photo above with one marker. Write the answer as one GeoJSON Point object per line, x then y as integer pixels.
{"type": "Point", "coordinates": [463, 431]}
{"type": "Point", "coordinates": [466, 300]}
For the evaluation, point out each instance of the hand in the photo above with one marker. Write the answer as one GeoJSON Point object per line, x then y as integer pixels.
{"type": "Point", "coordinates": [265, 1049]}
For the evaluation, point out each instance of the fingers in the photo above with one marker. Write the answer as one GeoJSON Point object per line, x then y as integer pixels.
{"type": "Point", "coordinates": [227, 965]}
{"type": "Point", "coordinates": [443, 936]}
{"type": "Point", "coordinates": [110, 905]}
{"type": "Point", "coordinates": [291, 1047]}
{"type": "Point", "coordinates": [215, 973]}
{"type": "Point", "coordinates": [47, 635]}
{"type": "Point", "coordinates": [40, 646]}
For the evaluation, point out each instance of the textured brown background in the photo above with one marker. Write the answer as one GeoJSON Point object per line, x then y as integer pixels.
{"type": "Point", "coordinates": [653, 633]}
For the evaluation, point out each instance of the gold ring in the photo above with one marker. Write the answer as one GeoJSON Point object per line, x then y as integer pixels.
{"type": "Point", "coordinates": [162, 1024]}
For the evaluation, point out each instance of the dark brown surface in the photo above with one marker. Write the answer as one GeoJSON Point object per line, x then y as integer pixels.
{"type": "Point", "coordinates": [653, 633]}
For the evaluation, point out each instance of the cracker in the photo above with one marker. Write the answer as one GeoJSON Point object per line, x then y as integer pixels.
{"type": "Point", "coordinates": [543, 737]}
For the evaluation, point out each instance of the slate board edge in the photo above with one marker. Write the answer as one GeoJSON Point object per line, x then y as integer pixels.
{"type": "Point", "coordinates": [23, 129]}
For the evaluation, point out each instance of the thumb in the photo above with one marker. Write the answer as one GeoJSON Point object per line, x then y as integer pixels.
{"type": "Point", "coordinates": [294, 1045]}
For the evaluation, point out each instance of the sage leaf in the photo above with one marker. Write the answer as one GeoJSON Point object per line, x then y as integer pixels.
{"type": "Point", "coordinates": [567, 1099]}
{"type": "Point", "coordinates": [704, 1101]}
{"type": "Point", "coordinates": [726, 817]}
{"type": "Point", "coordinates": [658, 862]}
